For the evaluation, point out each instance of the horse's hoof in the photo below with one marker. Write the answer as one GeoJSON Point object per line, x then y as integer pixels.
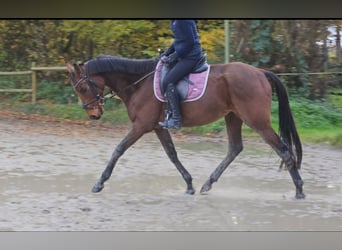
{"type": "Point", "coordinates": [300, 196]}
{"type": "Point", "coordinates": [190, 191]}
{"type": "Point", "coordinates": [205, 188]}
{"type": "Point", "coordinates": [97, 188]}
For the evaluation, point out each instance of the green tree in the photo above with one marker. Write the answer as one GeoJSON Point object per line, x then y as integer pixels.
{"type": "Point", "coordinates": [286, 45]}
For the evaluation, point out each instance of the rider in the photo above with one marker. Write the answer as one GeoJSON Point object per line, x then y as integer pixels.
{"type": "Point", "coordinates": [182, 56]}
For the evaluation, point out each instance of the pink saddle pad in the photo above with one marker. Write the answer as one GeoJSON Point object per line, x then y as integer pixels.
{"type": "Point", "coordinates": [196, 84]}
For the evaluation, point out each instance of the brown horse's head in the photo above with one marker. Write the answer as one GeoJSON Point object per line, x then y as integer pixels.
{"type": "Point", "coordinates": [89, 90]}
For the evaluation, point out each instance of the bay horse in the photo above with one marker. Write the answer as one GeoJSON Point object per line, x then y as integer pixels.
{"type": "Point", "coordinates": [239, 92]}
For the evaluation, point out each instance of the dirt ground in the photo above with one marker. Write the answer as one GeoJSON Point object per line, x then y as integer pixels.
{"type": "Point", "coordinates": [48, 167]}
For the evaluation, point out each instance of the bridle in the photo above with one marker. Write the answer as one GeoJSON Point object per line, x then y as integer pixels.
{"type": "Point", "coordinates": [100, 98]}
{"type": "Point", "coordinates": [93, 87]}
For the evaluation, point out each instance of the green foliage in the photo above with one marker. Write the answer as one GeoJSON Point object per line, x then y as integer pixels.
{"type": "Point", "coordinates": [115, 113]}
{"type": "Point", "coordinates": [56, 92]}
{"type": "Point", "coordinates": [291, 44]}
{"type": "Point", "coordinates": [212, 38]}
{"type": "Point", "coordinates": [15, 82]}
{"type": "Point", "coordinates": [310, 114]}
{"type": "Point", "coordinates": [212, 128]}
{"type": "Point", "coordinates": [335, 98]}
{"type": "Point", "coordinates": [261, 41]}
{"type": "Point", "coordinates": [317, 121]}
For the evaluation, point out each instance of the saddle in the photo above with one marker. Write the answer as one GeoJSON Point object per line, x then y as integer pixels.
{"type": "Point", "coordinates": [201, 65]}
{"type": "Point", "coordinates": [190, 88]}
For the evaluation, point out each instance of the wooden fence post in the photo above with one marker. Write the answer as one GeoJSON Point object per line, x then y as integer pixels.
{"type": "Point", "coordinates": [34, 83]}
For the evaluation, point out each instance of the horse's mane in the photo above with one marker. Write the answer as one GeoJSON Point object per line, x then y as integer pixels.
{"type": "Point", "coordinates": [108, 63]}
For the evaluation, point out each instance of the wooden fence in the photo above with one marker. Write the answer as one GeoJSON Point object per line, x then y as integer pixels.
{"type": "Point", "coordinates": [34, 69]}
{"type": "Point", "coordinates": [33, 73]}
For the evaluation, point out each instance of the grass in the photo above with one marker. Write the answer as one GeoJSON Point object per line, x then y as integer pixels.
{"type": "Point", "coordinates": [114, 114]}
{"type": "Point", "coordinates": [316, 120]}
{"type": "Point", "coordinates": [336, 98]}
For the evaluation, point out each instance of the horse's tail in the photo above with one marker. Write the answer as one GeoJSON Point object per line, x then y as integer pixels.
{"type": "Point", "coordinates": [287, 127]}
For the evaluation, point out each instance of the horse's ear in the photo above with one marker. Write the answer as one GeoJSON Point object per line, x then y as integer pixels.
{"type": "Point", "coordinates": [77, 69]}
{"type": "Point", "coordinates": [70, 68]}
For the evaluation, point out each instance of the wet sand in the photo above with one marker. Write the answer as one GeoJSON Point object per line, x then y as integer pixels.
{"type": "Point", "coordinates": [48, 167]}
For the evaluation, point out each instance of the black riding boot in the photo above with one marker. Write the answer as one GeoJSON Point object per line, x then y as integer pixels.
{"type": "Point", "coordinates": [173, 99]}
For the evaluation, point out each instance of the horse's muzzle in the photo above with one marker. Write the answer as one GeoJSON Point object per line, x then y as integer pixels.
{"type": "Point", "coordinates": [95, 113]}
{"type": "Point", "coordinates": [94, 117]}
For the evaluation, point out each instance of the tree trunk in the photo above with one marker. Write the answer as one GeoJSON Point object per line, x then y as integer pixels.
{"type": "Point", "coordinates": [338, 45]}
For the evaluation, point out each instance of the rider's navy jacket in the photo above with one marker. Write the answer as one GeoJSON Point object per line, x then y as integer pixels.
{"type": "Point", "coordinates": [186, 44]}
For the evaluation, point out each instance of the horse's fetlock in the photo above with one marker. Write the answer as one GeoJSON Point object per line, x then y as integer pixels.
{"type": "Point", "coordinates": [288, 160]}
{"type": "Point", "coordinates": [105, 176]}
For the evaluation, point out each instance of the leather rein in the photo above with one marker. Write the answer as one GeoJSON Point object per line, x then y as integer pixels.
{"type": "Point", "coordinates": [103, 98]}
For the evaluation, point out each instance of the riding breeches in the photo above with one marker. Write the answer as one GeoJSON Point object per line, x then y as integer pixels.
{"type": "Point", "coordinates": [180, 70]}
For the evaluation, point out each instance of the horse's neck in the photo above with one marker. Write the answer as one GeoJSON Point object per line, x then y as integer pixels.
{"type": "Point", "coordinates": [122, 85]}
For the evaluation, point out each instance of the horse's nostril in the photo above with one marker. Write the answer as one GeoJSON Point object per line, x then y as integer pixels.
{"type": "Point", "coordinates": [94, 117]}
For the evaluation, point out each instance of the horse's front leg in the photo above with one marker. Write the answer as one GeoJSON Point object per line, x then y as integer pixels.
{"type": "Point", "coordinates": [129, 140]}
{"type": "Point", "coordinates": [166, 141]}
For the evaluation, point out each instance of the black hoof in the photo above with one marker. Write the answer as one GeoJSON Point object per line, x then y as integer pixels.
{"type": "Point", "coordinates": [300, 196]}
{"type": "Point", "coordinates": [97, 188]}
{"type": "Point", "coordinates": [206, 187]}
{"type": "Point", "coordinates": [190, 191]}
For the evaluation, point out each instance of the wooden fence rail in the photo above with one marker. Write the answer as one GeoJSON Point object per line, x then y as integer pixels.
{"type": "Point", "coordinates": [34, 69]}
{"type": "Point", "coordinates": [33, 73]}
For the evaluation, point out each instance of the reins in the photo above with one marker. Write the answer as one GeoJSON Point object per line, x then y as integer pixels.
{"type": "Point", "coordinates": [112, 94]}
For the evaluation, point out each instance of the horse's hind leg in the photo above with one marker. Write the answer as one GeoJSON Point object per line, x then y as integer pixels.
{"type": "Point", "coordinates": [233, 124]}
{"type": "Point", "coordinates": [166, 141]}
{"type": "Point", "coordinates": [284, 153]}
